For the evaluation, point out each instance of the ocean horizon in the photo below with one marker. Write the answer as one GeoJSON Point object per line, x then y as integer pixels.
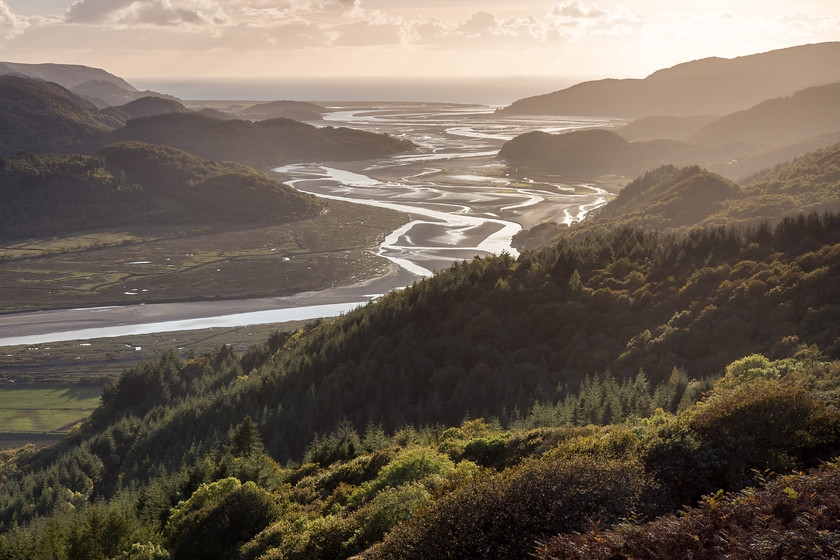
{"type": "Point", "coordinates": [490, 90]}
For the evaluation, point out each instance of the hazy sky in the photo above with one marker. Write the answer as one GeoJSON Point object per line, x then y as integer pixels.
{"type": "Point", "coordinates": [182, 38]}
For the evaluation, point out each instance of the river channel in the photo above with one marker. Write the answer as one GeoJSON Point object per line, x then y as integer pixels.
{"type": "Point", "coordinates": [461, 199]}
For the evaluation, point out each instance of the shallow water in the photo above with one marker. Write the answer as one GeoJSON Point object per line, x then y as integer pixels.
{"type": "Point", "coordinates": [460, 200]}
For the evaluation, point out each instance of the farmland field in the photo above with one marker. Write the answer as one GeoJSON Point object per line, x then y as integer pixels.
{"type": "Point", "coordinates": [28, 409]}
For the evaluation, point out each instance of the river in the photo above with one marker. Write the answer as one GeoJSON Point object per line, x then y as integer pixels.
{"type": "Point", "coordinates": [461, 200]}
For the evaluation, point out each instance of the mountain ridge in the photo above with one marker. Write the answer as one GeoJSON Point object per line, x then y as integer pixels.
{"type": "Point", "coordinates": [700, 87]}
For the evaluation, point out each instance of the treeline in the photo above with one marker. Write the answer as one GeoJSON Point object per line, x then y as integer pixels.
{"type": "Point", "coordinates": [478, 490]}
{"type": "Point", "coordinates": [554, 338]}
{"type": "Point", "coordinates": [135, 183]}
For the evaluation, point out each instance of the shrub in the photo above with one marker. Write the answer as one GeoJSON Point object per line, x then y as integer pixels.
{"type": "Point", "coordinates": [500, 515]}
{"type": "Point", "coordinates": [221, 522]}
{"type": "Point", "coordinates": [792, 517]}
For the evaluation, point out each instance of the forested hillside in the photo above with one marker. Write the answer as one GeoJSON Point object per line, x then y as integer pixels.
{"type": "Point", "coordinates": [262, 143]}
{"type": "Point", "coordinates": [43, 117]}
{"type": "Point", "coordinates": [145, 107]}
{"type": "Point", "coordinates": [672, 198]}
{"type": "Point", "coordinates": [590, 153]}
{"type": "Point", "coordinates": [135, 183]}
{"type": "Point", "coordinates": [298, 110]}
{"type": "Point", "coordinates": [39, 116]}
{"type": "Point", "coordinates": [594, 331]}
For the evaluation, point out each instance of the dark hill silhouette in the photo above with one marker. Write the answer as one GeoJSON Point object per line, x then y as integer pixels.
{"type": "Point", "coordinates": [217, 114]}
{"type": "Point", "coordinates": [596, 151]}
{"type": "Point", "coordinates": [222, 191]}
{"type": "Point", "coordinates": [145, 107]}
{"type": "Point", "coordinates": [42, 116]}
{"type": "Point", "coordinates": [135, 183]}
{"type": "Point", "coordinates": [807, 113]}
{"type": "Point", "coordinates": [298, 110]}
{"type": "Point", "coordinates": [701, 87]}
{"type": "Point", "coordinates": [260, 144]}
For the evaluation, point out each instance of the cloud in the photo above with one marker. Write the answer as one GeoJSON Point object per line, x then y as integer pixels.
{"type": "Point", "coordinates": [11, 25]}
{"type": "Point", "coordinates": [574, 10]}
{"type": "Point", "coordinates": [94, 11]}
{"type": "Point", "coordinates": [804, 24]}
{"type": "Point", "coordinates": [573, 14]}
{"type": "Point", "coordinates": [364, 33]}
{"type": "Point", "coordinates": [565, 22]}
{"type": "Point", "coordinates": [136, 13]}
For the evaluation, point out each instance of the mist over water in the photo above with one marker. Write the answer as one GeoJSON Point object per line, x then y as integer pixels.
{"type": "Point", "coordinates": [491, 90]}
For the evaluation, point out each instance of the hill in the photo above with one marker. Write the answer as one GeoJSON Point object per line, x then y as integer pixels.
{"type": "Point", "coordinates": [663, 127]}
{"type": "Point", "coordinates": [43, 117]}
{"type": "Point", "coordinates": [101, 88]}
{"type": "Point", "coordinates": [40, 116]}
{"type": "Point", "coordinates": [66, 75]}
{"type": "Point", "coordinates": [207, 188]}
{"type": "Point", "coordinates": [672, 198]}
{"type": "Point", "coordinates": [217, 114]}
{"type": "Point", "coordinates": [735, 145]}
{"type": "Point", "coordinates": [262, 143]}
{"type": "Point", "coordinates": [711, 86]}
{"type": "Point", "coordinates": [596, 152]}
{"type": "Point", "coordinates": [807, 113]}
{"type": "Point", "coordinates": [297, 110]}
{"type": "Point", "coordinates": [181, 457]}
{"type": "Point", "coordinates": [134, 183]}
{"type": "Point", "coordinates": [145, 107]}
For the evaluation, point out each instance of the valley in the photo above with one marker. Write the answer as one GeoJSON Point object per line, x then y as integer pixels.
{"type": "Point", "coordinates": [421, 330]}
{"type": "Point", "coordinates": [460, 200]}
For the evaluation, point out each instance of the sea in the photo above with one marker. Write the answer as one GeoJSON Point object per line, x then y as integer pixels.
{"type": "Point", "coordinates": [493, 90]}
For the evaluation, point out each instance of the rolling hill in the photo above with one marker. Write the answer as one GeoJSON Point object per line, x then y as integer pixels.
{"type": "Point", "coordinates": [734, 145]}
{"type": "Point", "coordinates": [711, 86]}
{"type": "Point", "coordinates": [40, 116]}
{"type": "Point", "coordinates": [262, 143]}
{"type": "Point", "coordinates": [133, 183]}
{"type": "Point", "coordinates": [43, 117]}
{"type": "Point", "coordinates": [145, 107]}
{"type": "Point", "coordinates": [297, 110]}
{"type": "Point", "coordinates": [101, 88]}
{"type": "Point", "coordinates": [593, 152]}
{"type": "Point", "coordinates": [787, 120]}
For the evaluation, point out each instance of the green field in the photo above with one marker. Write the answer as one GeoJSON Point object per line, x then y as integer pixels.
{"type": "Point", "coordinates": [32, 409]}
{"type": "Point", "coordinates": [46, 389]}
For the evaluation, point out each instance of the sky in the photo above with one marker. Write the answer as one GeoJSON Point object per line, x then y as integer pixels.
{"type": "Point", "coordinates": [274, 38]}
